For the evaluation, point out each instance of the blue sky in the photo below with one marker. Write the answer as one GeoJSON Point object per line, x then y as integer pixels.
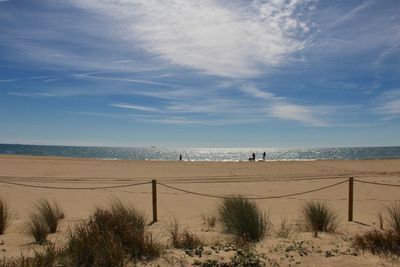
{"type": "Point", "coordinates": [179, 73]}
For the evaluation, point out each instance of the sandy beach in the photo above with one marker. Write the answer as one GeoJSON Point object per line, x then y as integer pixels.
{"type": "Point", "coordinates": [249, 179]}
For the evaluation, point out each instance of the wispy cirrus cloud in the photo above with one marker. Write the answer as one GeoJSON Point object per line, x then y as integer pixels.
{"type": "Point", "coordinates": [281, 108]}
{"type": "Point", "coordinates": [136, 107]}
{"type": "Point", "coordinates": [193, 60]}
{"type": "Point", "coordinates": [210, 36]}
{"type": "Point", "coordinates": [389, 104]}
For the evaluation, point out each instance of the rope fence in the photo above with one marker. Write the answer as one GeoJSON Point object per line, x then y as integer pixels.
{"type": "Point", "coordinates": [376, 183]}
{"type": "Point", "coordinates": [154, 183]}
{"type": "Point", "coordinates": [253, 198]}
{"type": "Point", "coordinates": [73, 188]}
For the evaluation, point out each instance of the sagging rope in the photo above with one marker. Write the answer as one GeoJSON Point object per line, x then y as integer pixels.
{"type": "Point", "coordinates": [253, 198]}
{"type": "Point", "coordinates": [376, 183]}
{"type": "Point", "coordinates": [73, 188]}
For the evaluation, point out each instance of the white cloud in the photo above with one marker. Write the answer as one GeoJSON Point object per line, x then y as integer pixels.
{"type": "Point", "coordinates": [389, 105]}
{"type": "Point", "coordinates": [294, 112]}
{"type": "Point", "coordinates": [281, 108]}
{"type": "Point", "coordinates": [90, 76]}
{"type": "Point", "coordinates": [136, 107]}
{"type": "Point", "coordinates": [208, 35]}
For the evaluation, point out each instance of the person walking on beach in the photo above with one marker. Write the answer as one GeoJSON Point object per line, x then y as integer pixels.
{"type": "Point", "coordinates": [180, 157]}
{"type": "Point", "coordinates": [254, 156]}
{"type": "Point", "coordinates": [264, 154]}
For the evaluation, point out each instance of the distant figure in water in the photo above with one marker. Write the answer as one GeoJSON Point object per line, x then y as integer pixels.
{"type": "Point", "coordinates": [253, 157]}
{"type": "Point", "coordinates": [180, 157]}
{"type": "Point", "coordinates": [264, 154]}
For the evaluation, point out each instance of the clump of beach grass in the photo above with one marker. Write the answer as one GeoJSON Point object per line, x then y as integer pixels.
{"type": "Point", "coordinates": [50, 213]}
{"type": "Point", "coordinates": [90, 245]}
{"type": "Point", "coordinates": [242, 218]}
{"type": "Point", "coordinates": [318, 217]}
{"type": "Point", "coordinates": [393, 211]}
{"type": "Point", "coordinates": [5, 216]}
{"type": "Point", "coordinates": [111, 237]}
{"type": "Point", "coordinates": [50, 256]}
{"type": "Point", "coordinates": [386, 240]}
{"type": "Point", "coordinates": [286, 228]}
{"type": "Point", "coordinates": [184, 239]}
{"type": "Point", "coordinates": [37, 228]}
{"type": "Point", "coordinates": [210, 220]}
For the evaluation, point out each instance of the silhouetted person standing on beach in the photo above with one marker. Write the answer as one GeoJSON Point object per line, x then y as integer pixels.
{"type": "Point", "coordinates": [180, 157]}
{"type": "Point", "coordinates": [264, 154]}
{"type": "Point", "coordinates": [254, 156]}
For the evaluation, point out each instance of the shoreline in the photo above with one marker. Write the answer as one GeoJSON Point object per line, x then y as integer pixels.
{"type": "Point", "coordinates": [189, 161]}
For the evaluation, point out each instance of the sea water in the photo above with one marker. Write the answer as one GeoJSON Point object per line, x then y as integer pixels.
{"type": "Point", "coordinates": [203, 154]}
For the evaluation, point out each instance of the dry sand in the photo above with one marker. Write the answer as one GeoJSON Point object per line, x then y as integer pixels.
{"type": "Point", "coordinates": [250, 179]}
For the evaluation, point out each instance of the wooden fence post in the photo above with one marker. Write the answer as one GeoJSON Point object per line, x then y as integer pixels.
{"type": "Point", "coordinates": [154, 191]}
{"type": "Point", "coordinates": [351, 191]}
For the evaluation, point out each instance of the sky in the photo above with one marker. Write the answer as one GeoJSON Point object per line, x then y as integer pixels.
{"type": "Point", "coordinates": [200, 73]}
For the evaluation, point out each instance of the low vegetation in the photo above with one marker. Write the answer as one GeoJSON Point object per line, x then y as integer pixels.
{"type": "Point", "coordinates": [209, 220]}
{"type": "Point", "coordinates": [242, 258]}
{"type": "Point", "coordinates": [318, 217]}
{"type": "Point", "coordinates": [243, 219]}
{"type": "Point", "coordinates": [110, 237]}
{"type": "Point", "coordinates": [393, 211]}
{"type": "Point", "coordinates": [286, 228]}
{"type": "Point", "coordinates": [184, 239]}
{"type": "Point", "coordinates": [37, 228]}
{"type": "Point", "coordinates": [50, 214]}
{"type": "Point", "coordinates": [386, 240]}
{"type": "Point", "coordinates": [49, 257]}
{"type": "Point", "coordinates": [5, 216]}
{"type": "Point", "coordinates": [248, 258]}
{"type": "Point", "coordinates": [44, 220]}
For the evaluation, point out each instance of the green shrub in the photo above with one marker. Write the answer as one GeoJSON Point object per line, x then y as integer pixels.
{"type": "Point", "coordinates": [243, 219]}
{"type": "Point", "coordinates": [318, 217]}
{"type": "Point", "coordinates": [5, 216]}
{"type": "Point", "coordinates": [247, 258]}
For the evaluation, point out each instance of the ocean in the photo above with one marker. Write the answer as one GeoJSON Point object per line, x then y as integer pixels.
{"type": "Point", "coordinates": [202, 154]}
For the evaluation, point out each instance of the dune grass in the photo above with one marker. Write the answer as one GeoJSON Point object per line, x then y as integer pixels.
{"type": "Point", "coordinates": [318, 217]}
{"type": "Point", "coordinates": [243, 219]}
{"type": "Point", "coordinates": [286, 228]}
{"type": "Point", "coordinates": [378, 242]}
{"type": "Point", "coordinates": [90, 245]}
{"type": "Point", "coordinates": [49, 256]}
{"type": "Point", "coordinates": [37, 228]}
{"type": "Point", "coordinates": [209, 220]}
{"type": "Point", "coordinates": [49, 213]}
{"type": "Point", "coordinates": [5, 216]}
{"type": "Point", "coordinates": [393, 211]}
{"type": "Point", "coordinates": [184, 239]}
{"type": "Point", "coordinates": [111, 237]}
{"type": "Point", "coordinates": [386, 240]}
